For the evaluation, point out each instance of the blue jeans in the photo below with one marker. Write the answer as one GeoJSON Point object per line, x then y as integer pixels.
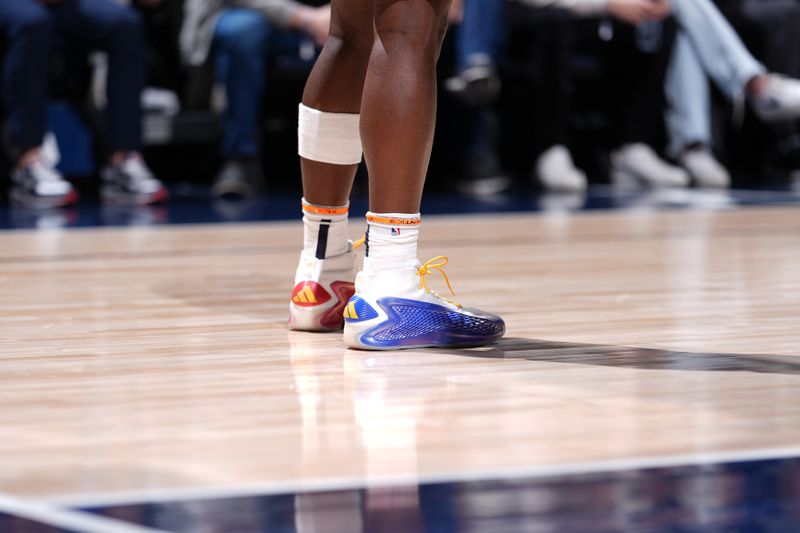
{"type": "Point", "coordinates": [706, 46]}
{"type": "Point", "coordinates": [244, 41]}
{"type": "Point", "coordinates": [32, 30]}
{"type": "Point", "coordinates": [481, 33]}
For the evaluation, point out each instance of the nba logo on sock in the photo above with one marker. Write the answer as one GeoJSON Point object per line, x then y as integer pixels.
{"type": "Point", "coordinates": [395, 232]}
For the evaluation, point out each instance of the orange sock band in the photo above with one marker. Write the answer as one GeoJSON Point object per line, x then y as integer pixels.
{"type": "Point", "coordinates": [388, 219]}
{"type": "Point", "coordinates": [325, 210]}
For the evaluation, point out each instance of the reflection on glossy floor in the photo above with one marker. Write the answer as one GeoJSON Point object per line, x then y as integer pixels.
{"type": "Point", "coordinates": [152, 361]}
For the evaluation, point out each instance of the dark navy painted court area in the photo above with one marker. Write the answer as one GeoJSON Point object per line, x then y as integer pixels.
{"type": "Point", "coordinates": [742, 497]}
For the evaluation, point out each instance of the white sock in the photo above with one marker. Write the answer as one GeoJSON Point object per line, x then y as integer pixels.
{"type": "Point", "coordinates": [391, 241]}
{"type": "Point", "coordinates": [325, 230]}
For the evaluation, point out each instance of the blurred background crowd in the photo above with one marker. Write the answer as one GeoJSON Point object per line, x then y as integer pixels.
{"type": "Point", "coordinates": [127, 100]}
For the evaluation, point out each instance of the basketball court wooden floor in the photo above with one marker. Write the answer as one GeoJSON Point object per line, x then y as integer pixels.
{"type": "Point", "coordinates": [649, 380]}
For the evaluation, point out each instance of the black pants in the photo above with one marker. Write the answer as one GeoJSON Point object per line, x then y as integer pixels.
{"type": "Point", "coordinates": [631, 78]}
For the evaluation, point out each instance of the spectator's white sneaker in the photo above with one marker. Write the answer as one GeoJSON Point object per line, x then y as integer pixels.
{"type": "Point", "coordinates": [779, 101]}
{"type": "Point", "coordinates": [636, 164]}
{"type": "Point", "coordinates": [39, 186]}
{"type": "Point", "coordinates": [131, 183]}
{"type": "Point", "coordinates": [556, 171]}
{"type": "Point", "coordinates": [322, 288]}
{"type": "Point", "coordinates": [705, 169]}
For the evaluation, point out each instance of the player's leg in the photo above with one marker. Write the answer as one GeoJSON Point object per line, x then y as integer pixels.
{"type": "Point", "coordinates": [330, 150]}
{"type": "Point", "coordinates": [392, 307]}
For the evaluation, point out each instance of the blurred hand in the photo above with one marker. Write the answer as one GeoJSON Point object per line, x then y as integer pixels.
{"type": "Point", "coordinates": [638, 11]}
{"type": "Point", "coordinates": [663, 7]}
{"type": "Point", "coordinates": [456, 13]}
{"type": "Point", "coordinates": [316, 22]}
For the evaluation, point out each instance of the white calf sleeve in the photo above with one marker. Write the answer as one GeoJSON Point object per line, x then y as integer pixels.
{"type": "Point", "coordinates": [328, 137]}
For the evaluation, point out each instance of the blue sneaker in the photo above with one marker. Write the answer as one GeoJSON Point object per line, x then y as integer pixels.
{"type": "Point", "coordinates": [394, 310]}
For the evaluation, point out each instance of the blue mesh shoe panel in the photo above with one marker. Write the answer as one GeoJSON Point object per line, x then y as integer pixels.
{"type": "Point", "coordinates": [414, 323]}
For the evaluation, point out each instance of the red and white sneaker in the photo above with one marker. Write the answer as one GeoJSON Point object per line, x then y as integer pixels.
{"type": "Point", "coordinates": [40, 186]}
{"type": "Point", "coordinates": [322, 288]}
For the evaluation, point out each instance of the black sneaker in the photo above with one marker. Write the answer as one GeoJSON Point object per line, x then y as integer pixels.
{"type": "Point", "coordinates": [239, 179]}
{"type": "Point", "coordinates": [483, 176]}
{"type": "Point", "coordinates": [131, 183]}
{"type": "Point", "coordinates": [39, 186]}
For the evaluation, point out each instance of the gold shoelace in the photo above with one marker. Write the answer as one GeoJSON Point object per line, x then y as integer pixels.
{"type": "Point", "coordinates": [427, 268]}
{"type": "Point", "coordinates": [437, 263]}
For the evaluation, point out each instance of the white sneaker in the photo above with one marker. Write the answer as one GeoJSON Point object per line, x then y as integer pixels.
{"type": "Point", "coordinates": [131, 183]}
{"type": "Point", "coordinates": [779, 101]}
{"type": "Point", "coordinates": [322, 288]}
{"type": "Point", "coordinates": [557, 172]}
{"type": "Point", "coordinates": [635, 164]}
{"type": "Point", "coordinates": [705, 169]}
{"type": "Point", "coordinates": [40, 186]}
{"type": "Point", "coordinates": [394, 309]}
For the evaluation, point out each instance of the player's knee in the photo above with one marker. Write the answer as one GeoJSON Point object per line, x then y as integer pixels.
{"type": "Point", "coordinates": [358, 46]}
{"type": "Point", "coordinates": [412, 26]}
{"type": "Point", "coordinates": [351, 36]}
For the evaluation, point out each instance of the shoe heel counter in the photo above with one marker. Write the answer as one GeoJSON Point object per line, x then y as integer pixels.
{"type": "Point", "coordinates": [309, 294]}
{"type": "Point", "coordinates": [358, 310]}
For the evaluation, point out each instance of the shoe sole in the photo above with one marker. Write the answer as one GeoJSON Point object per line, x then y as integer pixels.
{"type": "Point", "coordinates": [628, 180]}
{"type": "Point", "coordinates": [113, 196]}
{"type": "Point", "coordinates": [402, 324]}
{"type": "Point", "coordinates": [20, 198]}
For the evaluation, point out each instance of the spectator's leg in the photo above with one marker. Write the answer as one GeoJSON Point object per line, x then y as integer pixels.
{"type": "Point", "coordinates": [240, 49]}
{"type": "Point", "coordinates": [688, 117]}
{"type": "Point", "coordinates": [641, 57]}
{"type": "Point", "coordinates": [688, 111]}
{"type": "Point", "coordinates": [721, 51]}
{"type": "Point", "coordinates": [117, 30]}
{"type": "Point", "coordinates": [556, 33]}
{"type": "Point", "coordinates": [481, 33]}
{"type": "Point", "coordinates": [642, 102]}
{"type": "Point", "coordinates": [28, 33]}
{"type": "Point", "coordinates": [477, 46]}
